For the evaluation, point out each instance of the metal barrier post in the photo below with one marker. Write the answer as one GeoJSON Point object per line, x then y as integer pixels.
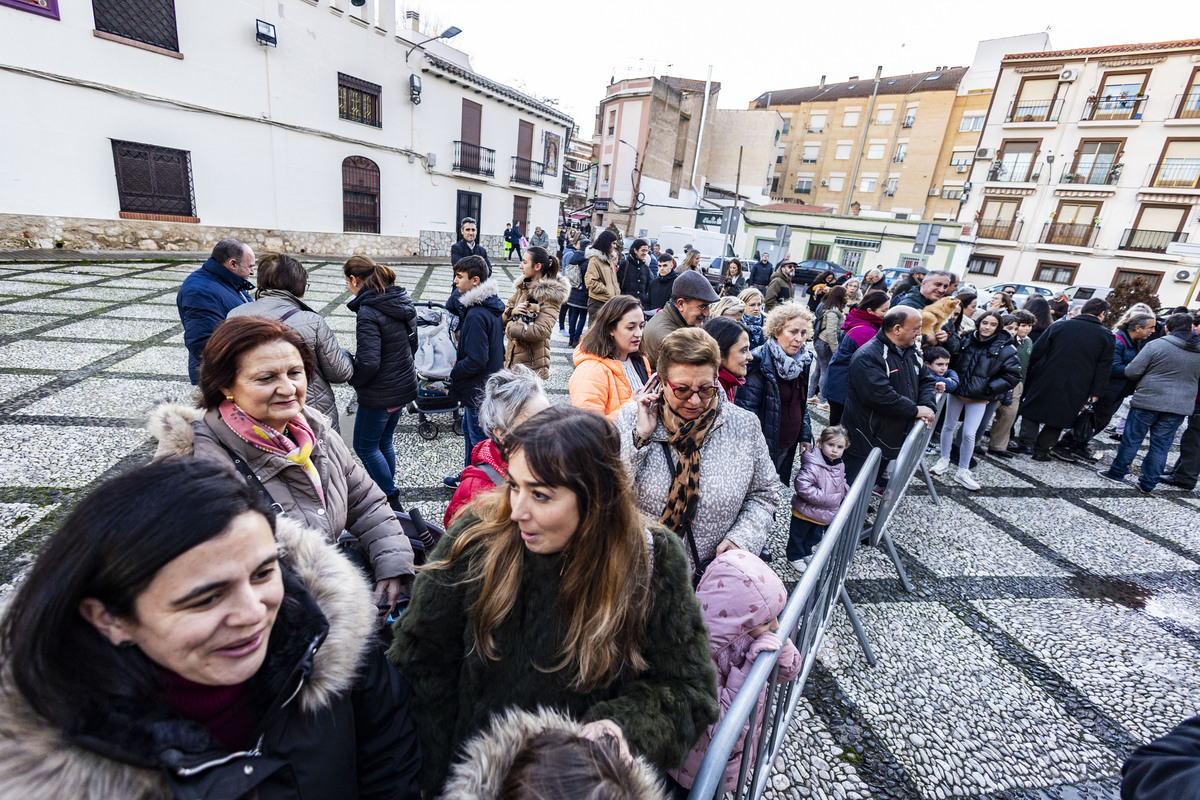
{"type": "Point", "coordinates": [911, 457]}
{"type": "Point", "coordinates": [805, 617]}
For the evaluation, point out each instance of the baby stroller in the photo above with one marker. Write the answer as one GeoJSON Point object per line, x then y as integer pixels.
{"type": "Point", "coordinates": [433, 360]}
{"type": "Point", "coordinates": [422, 535]}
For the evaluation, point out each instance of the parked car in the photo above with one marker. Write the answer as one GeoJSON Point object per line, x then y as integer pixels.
{"type": "Point", "coordinates": [807, 270]}
{"type": "Point", "coordinates": [894, 275]}
{"type": "Point", "coordinates": [1023, 292]}
{"type": "Point", "coordinates": [1079, 294]}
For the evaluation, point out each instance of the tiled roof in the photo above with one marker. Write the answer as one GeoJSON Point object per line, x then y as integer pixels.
{"type": "Point", "coordinates": [690, 85]}
{"type": "Point", "coordinates": [795, 208]}
{"type": "Point", "coordinates": [896, 84]}
{"type": "Point", "coordinates": [498, 88]}
{"type": "Point", "coordinates": [1115, 49]}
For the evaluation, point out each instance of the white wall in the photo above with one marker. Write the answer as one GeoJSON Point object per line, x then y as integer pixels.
{"type": "Point", "coordinates": [247, 173]}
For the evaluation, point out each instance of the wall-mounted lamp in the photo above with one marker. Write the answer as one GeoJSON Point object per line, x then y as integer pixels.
{"type": "Point", "coordinates": [449, 33]}
{"type": "Point", "coordinates": [265, 33]}
{"type": "Point", "coordinates": [414, 89]}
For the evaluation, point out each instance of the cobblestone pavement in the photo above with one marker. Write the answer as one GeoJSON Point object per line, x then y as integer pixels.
{"type": "Point", "coordinates": [1055, 622]}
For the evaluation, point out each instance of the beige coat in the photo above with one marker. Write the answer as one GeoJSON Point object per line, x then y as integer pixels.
{"type": "Point", "coordinates": [529, 342]}
{"type": "Point", "coordinates": [352, 500]}
{"type": "Point", "coordinates": [601, 276]}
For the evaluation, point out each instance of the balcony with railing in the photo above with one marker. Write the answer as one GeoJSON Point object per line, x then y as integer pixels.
{"type": "Point", "coordinates": [1149, 241]}
{"type": "Point", "coordinates": [1187, 106]}
{"type": "Point", "coordinates": [1013, 172]}
{"type": "Point", "coordinates": [1096, 176]}
{"type": "Point", "coordinates": [1114, 107]}
{"type": "Point", "coordinates": [526, 171]}
{"type": "Point", "coordinates": [1033, 110]}
{"type": "Point", "coordinates": [1069, 234]}
{"type": "Point", "coordinates": [997, 228]}
{"type": "Point", "coordinates": [474, 160]}
{"type": "Point", "coordinates": [1174, 174]}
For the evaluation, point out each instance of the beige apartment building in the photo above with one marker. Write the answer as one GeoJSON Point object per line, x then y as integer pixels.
{"type": "Point", "coordinates": [901, 145]}
{"type": "Point", "coordinates": [1088, 170]}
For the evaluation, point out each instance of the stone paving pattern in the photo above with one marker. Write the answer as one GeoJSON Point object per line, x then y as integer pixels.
{"type": "Point", "coordinates": [1054, 626]}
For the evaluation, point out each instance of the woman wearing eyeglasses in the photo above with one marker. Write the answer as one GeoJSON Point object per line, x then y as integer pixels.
{"type": "Point", "coordinates": [699, 464]}
{"type": "Point", "coordinates": [776, 385]}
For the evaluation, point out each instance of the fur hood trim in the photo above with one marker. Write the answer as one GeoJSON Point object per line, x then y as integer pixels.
{"type": "Point", "coordinates": [480, 293]}
{"type": "Point", "coordinates": [592, 252]}
{"type": "Point", "coordinates": [38, 760]}
{"type": "Point", "coordinates": [545, 290]}
{"type": "Point", "coordinates": [171, 425]}
{"type": "Point", "coordinates": [487, 759]}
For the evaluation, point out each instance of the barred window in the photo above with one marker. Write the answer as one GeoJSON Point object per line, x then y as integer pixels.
{"type": "Point", "coordinates": [148, 21]}
{"type": "Point", "coordinates": [153, 180]}
{"type": "Point", "coordinates": [360, 195]}
{"type": "Point", "coordinates": [358, 101]}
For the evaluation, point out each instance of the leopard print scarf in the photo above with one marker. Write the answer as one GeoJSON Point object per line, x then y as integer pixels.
{"type": "Point", "coordinates": [686, 437]}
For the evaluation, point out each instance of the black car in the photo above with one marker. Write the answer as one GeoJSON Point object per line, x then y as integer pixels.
{"type": "Point", "coordinates": [806, 271]}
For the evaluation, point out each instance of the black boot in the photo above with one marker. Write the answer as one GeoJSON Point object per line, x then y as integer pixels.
{"type": "Point", "coordinates": [394, 501]}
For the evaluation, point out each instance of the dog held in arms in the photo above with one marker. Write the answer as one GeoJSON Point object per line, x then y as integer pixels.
{"type": "Point", "coordinates": [935, 315]}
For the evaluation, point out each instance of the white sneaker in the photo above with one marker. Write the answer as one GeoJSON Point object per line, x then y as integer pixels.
{"type": "Point", "coordinates": [800, 564]}
{"type": "Point", "coordinates": [940, 467]}
{"type": "Point", "coordinates": [965, 477]}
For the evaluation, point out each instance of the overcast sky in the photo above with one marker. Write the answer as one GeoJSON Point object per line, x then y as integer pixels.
{"type": "Point", "coordinates": [569, 51]}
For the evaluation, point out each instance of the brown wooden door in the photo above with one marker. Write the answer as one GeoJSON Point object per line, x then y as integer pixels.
{"type": "Point", "coordinates": [524, 165]}
{"type": "Point", "coordinates": [469, 159]}
{"type": "Point", "coordinates": [521, 214]}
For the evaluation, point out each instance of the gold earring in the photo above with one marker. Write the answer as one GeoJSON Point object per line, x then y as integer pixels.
{"type": "Point", "coordinates": [228, 397]}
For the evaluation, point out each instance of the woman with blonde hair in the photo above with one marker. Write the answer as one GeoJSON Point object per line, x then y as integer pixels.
{"type": "Point", "coordinates": [728, 306]}
{"type": "Point", "coordinates": [384, 375]}
{"type": "Point", "coordinates": [558, 593]}
{"type": "Point", "coordinates": [690, 261]}
{"type": "Point", "coordinates": [777, 385]}
{"type": "Point", "coordinates": [752, 317]}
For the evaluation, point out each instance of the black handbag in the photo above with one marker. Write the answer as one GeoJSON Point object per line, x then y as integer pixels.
{"type": "Point", "coordinates": [1085, 425]}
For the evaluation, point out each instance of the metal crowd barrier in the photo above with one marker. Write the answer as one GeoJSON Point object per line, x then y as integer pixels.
{"type": "Point", "coordinates": [804, 618]}
{"type": "Point", "coordinates": [910, 459]}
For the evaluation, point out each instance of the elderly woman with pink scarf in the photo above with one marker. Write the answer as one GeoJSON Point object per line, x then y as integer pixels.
{"type": "Point", "coordinates": [253, 383]}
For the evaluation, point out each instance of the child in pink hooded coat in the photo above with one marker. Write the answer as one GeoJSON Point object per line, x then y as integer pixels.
{"type": "Point", "coordinates": [741, 598]}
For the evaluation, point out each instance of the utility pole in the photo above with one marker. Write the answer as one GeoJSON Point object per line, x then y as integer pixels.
{"type": "Point", "coordinates": [863, 144]}
{"type": "Point", "coordinates": [637, 184]}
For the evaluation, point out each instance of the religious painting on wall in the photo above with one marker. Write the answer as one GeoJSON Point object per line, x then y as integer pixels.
{"type": "Point", "coordinates": [46, 8]}
{"type": "Point", "coordinates": [550, 157]}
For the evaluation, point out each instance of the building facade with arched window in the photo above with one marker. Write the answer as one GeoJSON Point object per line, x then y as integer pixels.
{"type": "Point", "coordinates": [327, 141]}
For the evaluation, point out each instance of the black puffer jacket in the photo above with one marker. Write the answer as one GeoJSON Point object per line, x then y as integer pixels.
{"type": "Point", "coordinates": [633, 276]}
{"type": "Point", "coordinates": [333, 714]}
{"type": "Point", "coordinates": [986, 369]}
{"type": "Point", "coordinates": [387, 338]}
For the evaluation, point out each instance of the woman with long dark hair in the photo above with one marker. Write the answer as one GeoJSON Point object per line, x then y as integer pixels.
{"type": "Point", "coordinates": [157, 652]}
{"type": "Point", "coordinates": [558, 593]}
{"type": "Point", "coordinates": [530, 313]}
{"type": "Point", "coordinates": [384, 375]}
{"type": "Point", "coordinates": [1036, 304]}
{"type": "Point", "coordinates": [609, 368]}
{"type": "Point", "coordinates": [831, 313]}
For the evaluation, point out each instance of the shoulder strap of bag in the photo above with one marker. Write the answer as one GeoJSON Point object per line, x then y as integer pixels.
{"type": "Point", "coordinates": [284, 318]}
{"type": "Point", "coordinates": [493, 474]}
{"type": "Point", "coordinates": [252, 480]}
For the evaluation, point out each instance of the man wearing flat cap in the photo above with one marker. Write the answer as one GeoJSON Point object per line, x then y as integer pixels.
{"type": "Point", "coordinates": [691, 295]}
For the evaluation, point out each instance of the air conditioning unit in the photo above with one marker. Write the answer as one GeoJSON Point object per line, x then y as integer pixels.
{"type": "Point", "coordinates": [824, 183]}
{"type": "Point", "coordinates": [985, 152]}
{"type": "Point", "coordinates": [1185, 275]}
{"type": "Point", "coordinates": [1068, 75]}
{"type": "Point", "coordinates": [963, 168]}
{"type": "Point", "coordinates": [934, 192]}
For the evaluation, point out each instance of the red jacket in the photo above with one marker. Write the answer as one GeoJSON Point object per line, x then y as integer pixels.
{"type": "Point", "coordinates": [473, 480]}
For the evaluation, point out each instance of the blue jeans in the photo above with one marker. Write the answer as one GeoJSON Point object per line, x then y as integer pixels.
{"type": "Point", "coordinates": [1161, 426]}
{"type": "Point", "coordinates": [373, 430]}
{"type": "Point", "coordinates": [472, 433]}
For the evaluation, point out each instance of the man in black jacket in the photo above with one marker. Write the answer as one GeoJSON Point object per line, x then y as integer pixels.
{"type": "Point", "coordinates": [467, 245]}
{"type": "Point", "coordinates": [760, 273]}
{"type": "Point", "coordinates": [890, 388]}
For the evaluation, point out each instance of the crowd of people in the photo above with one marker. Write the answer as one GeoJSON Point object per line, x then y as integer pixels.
{"type": "Point", "coordinates": [601, 589]}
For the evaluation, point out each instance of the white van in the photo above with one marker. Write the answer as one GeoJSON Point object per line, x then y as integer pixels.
{"type": "Point", "coordinates": [711, 244]}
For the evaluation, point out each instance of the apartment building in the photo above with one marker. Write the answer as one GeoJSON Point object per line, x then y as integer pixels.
{"type": "Point", "coordinates": [304, 125]}
{"type": "Point", "coordinates": [1088, 170]}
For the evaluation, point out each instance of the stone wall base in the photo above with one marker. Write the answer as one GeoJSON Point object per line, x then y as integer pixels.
{"type": "Point", "coordinates": [436, 244]}
{"type": "Point", "coordinates": [19, 231]}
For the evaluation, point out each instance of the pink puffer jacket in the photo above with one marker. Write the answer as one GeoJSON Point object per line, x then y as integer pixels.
{"type": "Point", "coordinates": [737, 594]}
{"type": "Point", "coordinates": [820, 488]}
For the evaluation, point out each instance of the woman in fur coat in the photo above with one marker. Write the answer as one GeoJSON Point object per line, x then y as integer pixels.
{"type": "Point", "coordinates": [157, 653]}
{"type": "Point", "coordinates": [532, 310]}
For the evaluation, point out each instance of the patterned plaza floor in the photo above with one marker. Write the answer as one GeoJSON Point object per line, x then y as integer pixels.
{"type": "Point", "coordinates": [1054, 626]}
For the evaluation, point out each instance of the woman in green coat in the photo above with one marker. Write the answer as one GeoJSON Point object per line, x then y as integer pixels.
{"type": "Point", "coordinates": [554, 591]}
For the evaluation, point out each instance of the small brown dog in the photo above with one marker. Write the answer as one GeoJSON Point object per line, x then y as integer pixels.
{"type": "Point", "coordinates": [934, 315]}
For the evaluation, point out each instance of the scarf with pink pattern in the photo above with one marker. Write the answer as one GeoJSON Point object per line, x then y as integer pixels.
{"type": "Point", "coordinates": [265, 438]}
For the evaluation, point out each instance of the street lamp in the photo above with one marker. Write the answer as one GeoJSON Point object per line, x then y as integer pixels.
{"type": "Point", "coordinates": [449, 33]}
